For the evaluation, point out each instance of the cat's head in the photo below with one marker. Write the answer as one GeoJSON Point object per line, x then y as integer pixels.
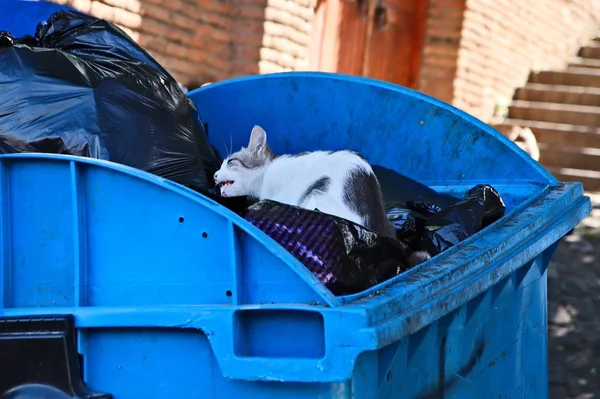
{"type": "Point", "coordinates": [241, 172]}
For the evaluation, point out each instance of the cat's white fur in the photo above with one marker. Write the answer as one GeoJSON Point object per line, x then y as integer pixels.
{"type": "Point", "coordinates": [286, 178]}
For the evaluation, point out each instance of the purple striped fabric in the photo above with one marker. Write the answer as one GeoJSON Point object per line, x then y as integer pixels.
{"type": "Point", "coordinates": [346, 257]}
{"type": "Point", "coordinates": [312, 237]}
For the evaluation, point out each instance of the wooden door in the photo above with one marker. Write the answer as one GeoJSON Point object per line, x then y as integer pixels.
{"type": "Point", "coordinates": [382, 39]}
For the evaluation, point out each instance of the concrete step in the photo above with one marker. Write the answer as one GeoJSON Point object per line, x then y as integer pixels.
{"type": "Point", "coordinates": [585, 63]}
{"type": "Point", "coordinates": [559, 94]}
{"type": "Point", "coordinates": [582, 158]}
{"type": "Point", "coordinates": [583, 115]}
{"type": "Point", "coordinates": [572, 76]}
{"type": "Point", "coordinates": [590, 51]}
{"type": "Point", "coordinates": [556, 134]}
{"type": "Point", "coordinates": [589, 178]}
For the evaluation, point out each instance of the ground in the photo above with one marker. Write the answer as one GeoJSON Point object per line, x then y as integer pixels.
{"type": "Point", "coordinates": [574, 312]}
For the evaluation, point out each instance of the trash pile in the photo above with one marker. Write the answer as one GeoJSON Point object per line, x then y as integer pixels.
{"type": "Point", "coordinates": [349, 259]}
{"type": "Point", "coordinates": [80, 86]}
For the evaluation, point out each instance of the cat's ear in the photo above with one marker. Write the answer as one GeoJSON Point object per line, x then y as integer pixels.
{"type": "Point", "coordinates": [258, 140]}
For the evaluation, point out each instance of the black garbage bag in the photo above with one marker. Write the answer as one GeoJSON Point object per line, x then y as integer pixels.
{"type": "Point", "coordinates": [82, 87]}
{"type": "Point", "coordinates": [346, 257]}
{"type": "Point", "coordinates": [443, 228]}
{"type": "Point", "coordinates": [399, 189]}
{"type": "Point", "coordinates": [429, 221]}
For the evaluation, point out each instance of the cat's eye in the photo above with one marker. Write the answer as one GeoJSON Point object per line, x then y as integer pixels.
{"type": "Point", "coordinates": [235, 162]}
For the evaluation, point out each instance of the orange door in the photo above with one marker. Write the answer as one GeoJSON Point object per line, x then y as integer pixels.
{"type": "Point", "coordinates": [382, 39]}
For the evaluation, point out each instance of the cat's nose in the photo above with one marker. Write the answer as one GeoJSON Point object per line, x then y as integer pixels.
{"type": "Point", "coordinates": [216, 175]}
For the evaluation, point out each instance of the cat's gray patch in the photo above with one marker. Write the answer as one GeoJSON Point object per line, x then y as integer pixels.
{"type": "Point", "coordinates": [300, 154]}
{"type": "Point", "coordinates": [319, 186]}
{"type": "Point", "coordinates": [362, 194]}
{"type": "Point", "coordinates": [357, 154]}
{"type": "Point", "coordinates": [251, 160]}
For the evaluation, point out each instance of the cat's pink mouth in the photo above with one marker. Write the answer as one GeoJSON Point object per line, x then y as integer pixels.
{"type": "Point", "coordinates": [224, 184]}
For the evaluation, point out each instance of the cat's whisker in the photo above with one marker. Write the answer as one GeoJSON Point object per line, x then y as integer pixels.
{"type": "Point", "coordinates": [227, 153]}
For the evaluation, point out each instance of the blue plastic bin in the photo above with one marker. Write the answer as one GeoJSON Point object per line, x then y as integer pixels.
{"type": "Point", "coordinates": [165, 311]}
{"type": "Point", "coordinates": [175, 296]}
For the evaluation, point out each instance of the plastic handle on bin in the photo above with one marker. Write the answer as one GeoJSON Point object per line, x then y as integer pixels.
{"type": "Point", "coordinates": [343, 337]}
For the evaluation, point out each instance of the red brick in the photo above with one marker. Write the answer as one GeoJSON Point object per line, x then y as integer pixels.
{"type": "Point", "coordinates": [159, 13]}
{"type": "Point", "coordinates": [250, 11]}
{"type": "Point", "coordinates": [247, 53]}
{"type": "Point", "coordinates": [221, 6]}
{"type": "Point", "coordinates": [244, 38]}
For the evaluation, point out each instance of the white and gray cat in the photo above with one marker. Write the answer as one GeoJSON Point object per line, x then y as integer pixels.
{"type": "Point", "coordinates": [339, 183]}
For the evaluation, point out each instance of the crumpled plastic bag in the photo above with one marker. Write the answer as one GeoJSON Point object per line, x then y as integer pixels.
{"type": "Point", "coordinates": [81, 86]}
{"type": "Point", "coordinates": [443, 228]}
{"type": "Point", "coordinates": [346, 257]}
{"type": "Point", "coordinates": [429, 221]}
{"type": "Point", "coordinates": [399, 189]}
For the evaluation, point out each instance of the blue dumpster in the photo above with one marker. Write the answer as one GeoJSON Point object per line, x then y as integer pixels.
{"type": "Point", "coordinates": [175, 296]}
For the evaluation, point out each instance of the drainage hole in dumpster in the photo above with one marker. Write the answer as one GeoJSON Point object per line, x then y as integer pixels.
{"type": "Point", "coordinates": [204, 234]}
{"type": "Point", "coordinates": [228, 293]}
{"type": "Point", "coordinates": [181, 219]}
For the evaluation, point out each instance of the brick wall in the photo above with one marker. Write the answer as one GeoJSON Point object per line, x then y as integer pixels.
{"type": "Point", "coordinates": [190, 38]}
{"type": "Point", "coordinates": [475, 54]}
{"type": "Point", "coordinates": [247, 37]}
{"type": "Point", "coordinates": [270, 36]}
{"type": "Point", "coordinates": [440, 50]}
{"type": "Point", "coordinates": [502, 42]}
{"type": "Point", "coordinates": [287, 35]}
{"type": "Point", "coordinates": [202, 41]}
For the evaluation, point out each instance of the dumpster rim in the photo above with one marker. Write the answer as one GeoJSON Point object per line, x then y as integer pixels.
{"type": "Point", "coordinates": [544, 175]}
{"type": "Point", "coordinates": [403, 326]}
{"type": "Point", "coordinates": [408, 296]}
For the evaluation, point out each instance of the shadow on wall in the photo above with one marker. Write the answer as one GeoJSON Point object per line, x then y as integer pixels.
{"type": "Point", "coordinates": [197, 41]}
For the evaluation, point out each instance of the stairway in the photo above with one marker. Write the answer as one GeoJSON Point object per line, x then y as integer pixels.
{"type": "Point", "coordinates": [562, 108]}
